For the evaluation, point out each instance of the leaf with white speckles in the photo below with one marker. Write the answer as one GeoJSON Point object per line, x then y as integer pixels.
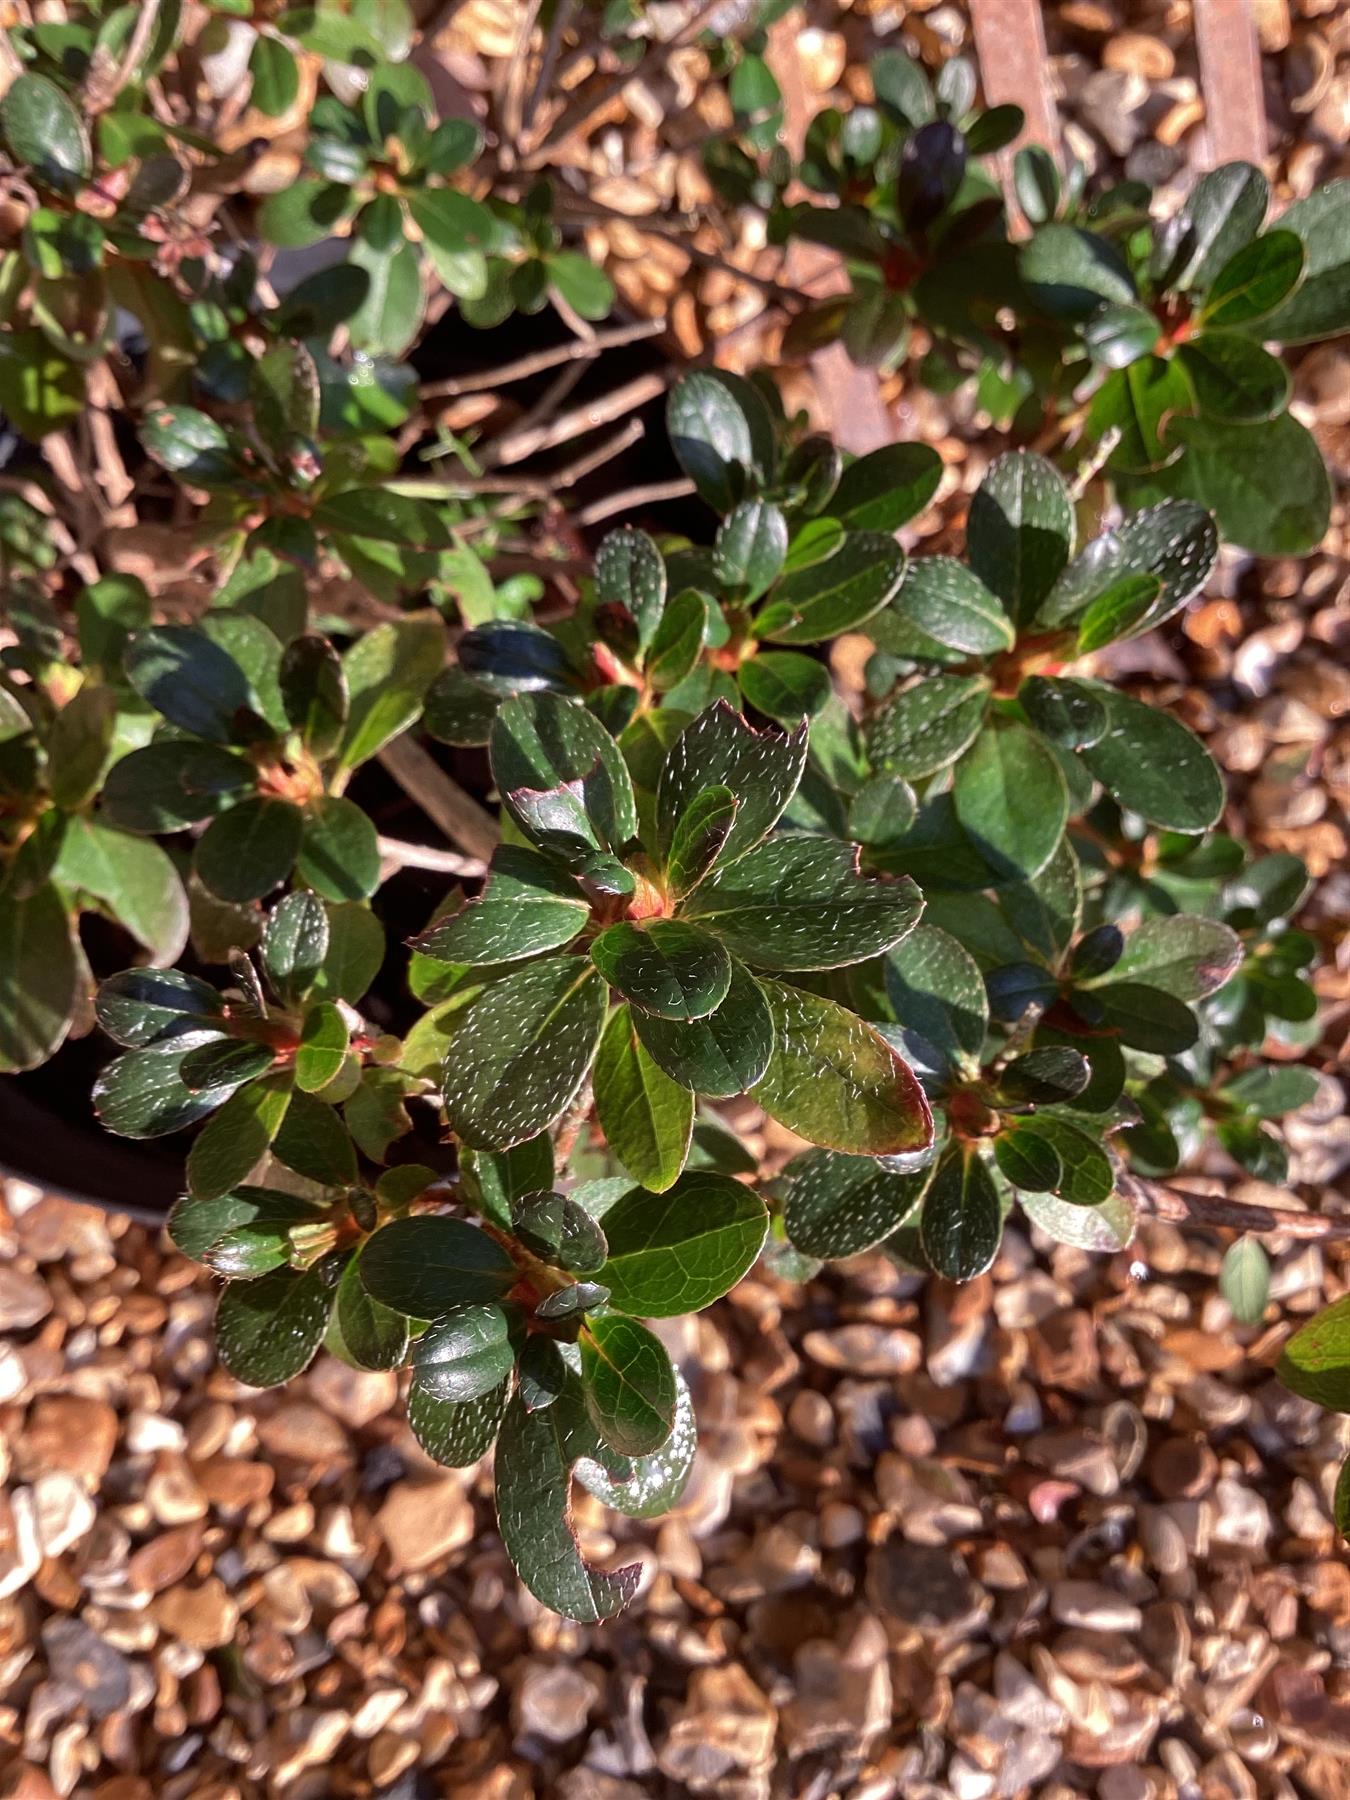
{"type": "Point", "coordinates": [718, 749]}
{"type": "Point", "coordinates": [528, 906]}
{"type": "Point", "coordinates": [268, 1330]}
{"type": "Point", "coordinates": [679, 1251]}
{"type": "Point", "coordinates": [1153, 765]}
{"type": "Point", "coordinates": [656, 1481]}
{"type": "Point", "coordinates": [840, 1205]}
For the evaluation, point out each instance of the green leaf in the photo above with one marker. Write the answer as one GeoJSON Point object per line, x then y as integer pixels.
{"type": "Point", "coordinates": [1119, 334]}
{"type": "Point", "coordinates": [1070, 272]}
{"type": "Point", "coordinates": [246, 852]}
{"type": "Point", "coordinates": [339, 852]}
{"type": "Point", "coordinates": [712, 436]}
{"type": "Point", "coordinates": [1153, 765]}
{"type": "Point", "coordinates": [1318, 307]}
{"type": "Point", "coordinates": [542, 742]}
{"type": "Point", "coordinates": [169, 785]}
{"type": "Point", "coordinates": [630, 573]}
{"type": "Point", "coordinates": [268, 1330]}
{"type": "Point", "coordinates": [936, 989]}
{"type": "Point", "coordinates": [835, 595]}
{"type": "Point", "coordinates": [927, 726]}
{"type": "Point", "coordinates": [355, 951]}
{"type": "Point", "coordinates": [276, 77]}
{"type": "Point", "coordinates": [322, 1049]}
{"type": "Point", "coordinates": [784, 686]}
{"type": "Point", "coordinates": [532, 1470]}
{"type": "Point", "coordinates": [40, 977]}
{"type": "Point", "coordinates": [526, 908]}
{"type": "Point", "coordinates": [223, 1065]}
{"type": "Point", "coordinates": [943, 599]}
{"type": "Point", "coordinates": [1146, 1018]}
{"type": "Point", "coordinates": [750, 547]}
{"type": "Point", "coordinates": [887, 488]}
{"type": "Point", "coordinates": [1225, 210]}
{"type": "Point", "coordinates": [1011, 799]}
{"type": "Point", "coordinates": [664, 966]}
{"type": "Point", "coordinates": [1244, 1280]}
{"type": "Point", "coordinates": [725, 1053]}
{"type": "Point", "coordinates": [1234, 380]}
{"type": "Point", "coordinates": [1066, 712]}
{"type": "Point", "coordinates": [242, 1233]}
{"type": "Point", "coordinates": [679, 1251]}
{"type": "Point", "coordinates": [1102, 1229]}
{"type": "Point", "coordinates": [1020, 532]}
{"type": "Point", "coordinates": [1175, 540]}
{"type": "Point", "coordinates": [1316, 1360]}
{"type": "Point", "coordinates": [140, 1095]}
{"type": "Point", "coordinates": [467, 1353]}
{"type": "Point", "coordinates": [1117, 613]}
{"type": "Point", "coordinates": [304, 213]}
{"type": "Point", "coordinates": [1086, 1177]}
{"type": "Point", "coordinates": [646, 1116]}
{"type": "Point", "coordinates": [1044, 1076]}
{"type": "Point", "coordinates": [78, 746]}
{"type": "Point", "coordinates": [314, 692]}
{"type": "Point", "coordinates": [522, 1050]}
{"type": "Point", "coordinates": [1029, 1161]}
{"type": "Point", "coordinates": [457, 232]}
{"type": "Point", "coordinates": [1254, 281]}
{"type": "Point", "coordinates": [628, 1384]}
{"type": "Point", "coordinates": [1269, 1092]}
{"type": "Point", "coordinates": [1340, 1499]}
{"type": "Point", "coordinates": [1265, 483]}
{"type": "Point", "coordinates": [44, 131]}
{"type": "Point", "coordinates": [382, 516]}
{"type": "Point", "coordinates": [961, 1225]}
{"type": "Point", "coordinates": [1183, 954]}
{"type": "Point", "coordinates": [133, 880]}
{"type": "Point", "coordinates": [558, 1228]}
{"type": "Point", "coordinates": [191, 680]}
{"type": "Point", "coordinates": [295, 943]}
{"type": "Point", "coordinates": [652, 1484]}
{"type": "Point", "coordinates": [882, 810]}
{"type": "Point", "coordinates": [835, 1080]}
{"type": "Point", "coordinates": [678, 642]}
{"type": "Point", "coordinates": [719, 749]}
{"type": "Point", "coordinates": [425, 1265]}
{"type": "Point", "coordinates": [374, 1336]}
{"type": "Point", "coordinates": [842, 1205]}
{"type": "Point", "coordinates": [388, 318]}
{"type": "Point", "coordinates": [145, 1006]}
{"type": "Point", "coordinates": [313, 1142]}
{"type": "Point", "coordinates": [700, 834]}
{"type": "Point", "coordinates": [237, 1136]}
{"type": "Point", "coordinates": [1141, 403]}
{"type": "Point", "coordinates": [189, 443]}
{"type": "Point", "coordinates": [583, 285]}
{"type": "Point", "coordinates": [802, 903]}
{"type": "Point", "coordinates": [456, 1435]}
{"type": "Point", "coordinates": [388, 671]}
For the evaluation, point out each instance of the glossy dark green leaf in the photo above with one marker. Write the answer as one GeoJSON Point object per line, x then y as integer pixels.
{"type": "Point", "coordinates": [388, 671]}
{"type": "Point", "coordinates": [541, 1373]}
{"type": "Point", "coordinates": [841, 1205]}
{"type": "Point", "coordinates": [456, 1435]}
{"type": "Point", "coordinates": [132, 880]}
{"type": "Point", "coordinates": [1224, 210]}
{"type": "Point", "coordinates": [295, 943]}
{"type": "Point", "coordinates": [1120, 333]}
{"type": "Point", "coordinates": [679, 639]}
{"type": "Point", "coordinates": [466, 1353]}
{"type": "Point", "coordinates": [1234, 380]}
{"type": "Point", "coordinates": [314, 692]}
{"type": "Point", "coordinates": [541, 742]}
{"type": "Point", "coordinates": [1270, 1091]}
{"type": "Point", "coordinates": [322, 1049]}
{"type": "Point", "coordinates": [1028, 1160]}
{"type": "Point", "coordinates": [1140, 405]}
{"type": "Point", "coordinates": [802, 903]}
{"type": "Point", "coordinates": [521, 1051]}
{"type": "Point", "coordinates": [751, 547]}
{"type": "Point", "coordinates": [527, 907]}
{"type": "Point", "coordinates": [1316, 1360]}
{"type": "Point", "coordinates": [276, 76]}
{"type": "Point", "coordinates": [713, 436]}
{"type": "Point", "coordinates": [835, 1080]}
{"type": "Point", "coordinates": [887, 488]}
{"type": "Point", "coordinates": [251, 1223]}
{"type": "Point", "coordinates": [1254, 281]}
{"type": "Point", "coordinates": [927, 726]}
{"type": "Point", "coordinates": [882, 810]}
{"type": "Point", "coordinates": [725, 1053]}
{"type": "Point", "coordinates": [237, 1136]}
{"type": "Point", "coordinates": [700, 834]}
{"type": "Point", "coordinates": [1146, 1018]}
{"type": "Point", "coordinates": [144, 1006]}
{"type": "Point", "coordinates": [374, 1335]}
{"type": "Point", "coordinates": [1070, 271]}
{"type": "Point", "coordinates": [268, 1330]}
{"type": "Point", "coordinates": [558, 1229]}
{"type": "Point", "coordinates": [1153, 765]}
{"type": "Point", "coordinates": [719, 749]}
{"type": "Point", "coordinates": [961, 1225]}
{"type": "Point", "coordinates": [946, 601]}
{"type": "Point", "coordinates": [628, 1384]}
{"type": "Point", "coordinates": [428, 1264]}
{"type": "Point", "coordinates": [79, 744]}
{"type": "Point", "coordinates": [246, 852]}
{"type": "Point", "coordinates": [936, 989]}
{"type": "Point", "coordinates": [835, 595]}
{"type": "Point", "coordinates": [189, 443]}
{"type": "Point", "coordinates": [666, 966]}
{"type": "Point", "coordinates": [169, 785]}
{"type": "Point", "coordinates": [1183, 954]}
{"type": "Point", "coordinates": [630, 573]}
{"type": "Point", "coordinates": [43, 131]}
{"type": "Point", "coordinates": [40, 977]}
{"type": "Point", "coordinates": [339, 853]}
{"type": "Point", "coordinates": [646, 1116]}
{"type": "Point", "coordinates": [1318, 307]}
{"type": "Point", "coordinates": [1064, 711]}
{"type": "Point", "coordinates": [1117, 613]}
{"type": "Point", "coordinates": [572, 1301]}
{"type": "Point", "coordinates": [513, 656]}
{"type": "Point", "coordinates": [785, 686]}
{"type": "Point", "coordinates": [314, 1142]}
{"type": "Point", "coordinates": [679, 1251]}
{"type": "Point", "coordinates": [1044, 1076]}
{"type": "Point", "coordinates": [1020, 531]}
{"type": "Point", "coordinates": [140, 1095]}
{"type": "Point", "coordinates": [650, 1485]}
{"type": "Point", "coordinates": [1011, 799]}
{"type": "Point", "coordinates": [192, 681]}
{"type": "Point", "coordinates": [224, 1064]}
{"type": "Point", "coordinates": [532, 1472]}
{"type": "Point", "coordinates": [387, 320]}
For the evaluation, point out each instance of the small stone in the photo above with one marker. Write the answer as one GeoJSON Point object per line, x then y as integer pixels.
{"type": "Point", "coordinates": [864, 1349]}
{"type": "Point", "coordinates": [66, 1431]}
{"type": "Point", "coordinates": [390, 1755]}
{"type": "Point", "coordinates": [355, 1396]}
{"type": "Point", "coordinates": [157, 1565]}
{"type": "Point", "coordinates": [172, 1492]}
{"type": "Point", "coordinates": [422, 1521]}
{"type": "Point", "coordinates": [1182, 1468]}
{"type": "Point", "coordinates": [726, 1724]}
{"type": "Point", "coordinates": [304, 1432]}
{"type": "Point", "coordinates": [24, 1299]}
{"type": "Point", "coordinates": [64, 1513]}
{"type": "Point", "coordinates": [77, 1655]}
{"type": "Point", "coordinates": [924, 1587]}
{"type": "Point", "coordinates": [203, 1616]}
{"type": "Point", "coordinates": [554, 1701]}
{"type": "Point", "coordinates": [1093, 1607]}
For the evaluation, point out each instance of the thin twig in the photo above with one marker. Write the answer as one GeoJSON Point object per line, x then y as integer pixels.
{"type": "Point", "coordinates": [1179, 1206]}
{"type": "Point", "coordinates": [137, 44]}
{"type": "Point", "coordinates": [423, 856]}
{"type": "Point", "coordinates": [582, 350]}
{"type": "Point", "coordinates": [625, 399]}
{"type": "Point", "coordinates": [444, 801]}
{"type": "Point", "coordinates": [562, 18]}
{"type": "Point", "coordinates": [544, 408]}
{"type": "Point", "coordinates": [649, 495]}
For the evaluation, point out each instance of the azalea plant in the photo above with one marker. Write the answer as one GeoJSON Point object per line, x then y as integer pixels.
{"type": "Point", "coordinates": [771, 818]}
